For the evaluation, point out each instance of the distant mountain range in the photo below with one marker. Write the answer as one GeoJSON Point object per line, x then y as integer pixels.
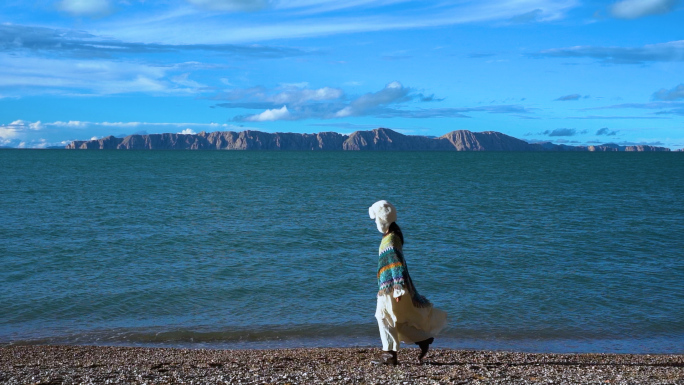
{"type": "Point", "coordinates": [375, 140]}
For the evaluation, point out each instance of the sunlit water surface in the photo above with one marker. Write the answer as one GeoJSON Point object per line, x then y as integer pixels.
{"type": "Point", "coordinates": [551, 252]}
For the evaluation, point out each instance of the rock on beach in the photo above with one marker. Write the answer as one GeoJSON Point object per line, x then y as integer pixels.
{"type": "Point", "coordinates": [39, 364]}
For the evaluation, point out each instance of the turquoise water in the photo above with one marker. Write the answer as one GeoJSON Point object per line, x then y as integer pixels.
{"type": "Point", "coordinates": [553, 252]}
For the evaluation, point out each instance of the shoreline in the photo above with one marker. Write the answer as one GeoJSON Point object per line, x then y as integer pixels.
{"type": "Point", "coordinates": [66, 364]}
{"type": "Point", "coordinates": [298, 339]}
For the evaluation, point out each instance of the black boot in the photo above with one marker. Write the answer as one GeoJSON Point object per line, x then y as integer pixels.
{"type": "Point", "coordinates": [387, 358]}
{"type": "Point", "coordinates": [424, 347]}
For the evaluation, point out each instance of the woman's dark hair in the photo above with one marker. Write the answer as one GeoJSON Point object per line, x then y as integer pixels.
{"type": "Point", "coordinates": [394, 228]}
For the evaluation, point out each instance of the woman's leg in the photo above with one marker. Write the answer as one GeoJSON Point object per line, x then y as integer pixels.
{"type": "Point", "coordinates": [388, 332]}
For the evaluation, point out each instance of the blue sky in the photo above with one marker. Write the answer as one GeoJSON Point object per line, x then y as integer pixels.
{"type": "Point", "coordinates": [568, 71]}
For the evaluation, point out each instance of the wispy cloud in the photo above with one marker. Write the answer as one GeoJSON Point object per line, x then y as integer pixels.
{"type": "Point", "coordinates": [633, 9]}
{"type": "Point", "coordinates": [299, 6]}
{"type": "Point", "coordinates": [456, 112]}
{"type": "Point", "coordinates": [605, 131]}
{"type": "Point", "coordinates": [527, 17]}
{"type": "Point", "coordinates": [614, 117]}
{"type": "Point", "coordinates": [393, 93]}
{"type": "Point", "coordinates": [37, 60]}
{"type": "Point", "coordinates": [660, 108]}
{"type": "Point", "coordinates": [294, 102]}
{"type": "Point", "coordinates": [233, 5]}
{"type": "Point", "coordinates": [562, 132]}
{"type": "Point", "coordinates": [345, 125]}
{"type": "Point", "coordinates": [21, 75]}
{"type": "Point", "coordinates": [664, 52]}
{"type": "Point", "coordinates": [423, 113]}
{"type": "Point", "coordinates": [566, 98]}
{"type": "Point", "coordinates": [297, 103]}
{"type": "Point", "coordinates": [676, 93]}
{"type": "Point", "coordinates": [326, 6]}
{"type": "Point", "coordinates": [25, 126]}
{"type": "Point", "coordinates": [480, 55]}
{"type": "Point", "coordinates": [635, 143]}
{"type": "Point", "coordinates": [310, 18]}
{"type": "Point", "coordinates": [83, 45]}
{"type": "Point", "coordinates": [285, 102]}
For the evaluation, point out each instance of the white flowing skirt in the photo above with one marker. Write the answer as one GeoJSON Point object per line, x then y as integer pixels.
{"type": "Point", "coordinates": [401, 321]}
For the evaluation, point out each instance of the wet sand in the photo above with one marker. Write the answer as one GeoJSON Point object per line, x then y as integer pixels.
{"type": "Point", "coordinates": [112, 365]}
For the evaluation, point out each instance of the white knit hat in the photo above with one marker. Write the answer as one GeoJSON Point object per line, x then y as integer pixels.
{"type": "Point", "coordinates": [384, 214]}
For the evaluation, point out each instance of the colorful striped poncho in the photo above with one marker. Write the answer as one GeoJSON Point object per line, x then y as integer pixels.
{"type": "Point", "coordinates": [393, 272]}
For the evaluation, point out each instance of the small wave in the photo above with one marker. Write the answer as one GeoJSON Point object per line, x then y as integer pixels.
{"type": "Point", "coordinates": [300, 336]}
{"type": "Point", "coordinates": [275, 336]}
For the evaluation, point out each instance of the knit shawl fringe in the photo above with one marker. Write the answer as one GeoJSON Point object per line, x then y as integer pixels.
{"type": "Point", "coordinates": [393, 272]}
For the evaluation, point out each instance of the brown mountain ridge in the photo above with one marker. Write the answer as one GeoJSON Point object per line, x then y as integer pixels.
{"type": "Point", "coordinates": [376, 140]}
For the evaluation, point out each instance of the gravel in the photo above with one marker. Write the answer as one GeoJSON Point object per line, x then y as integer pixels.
{"type": "Point", "coordinates": [71, 364]}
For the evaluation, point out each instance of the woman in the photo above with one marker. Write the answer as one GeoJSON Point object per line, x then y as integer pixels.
{"type": "Point", "coordinates": [402, 313]}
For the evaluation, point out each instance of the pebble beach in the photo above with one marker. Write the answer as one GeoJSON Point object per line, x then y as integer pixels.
{"type": "Point", "coordinates": [69, 364]}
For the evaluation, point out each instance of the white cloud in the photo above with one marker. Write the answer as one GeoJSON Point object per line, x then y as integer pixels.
{"type": "Point", "coordinates": [188, 131]}
{"type": "Point", "coordinates": [297, 96]}
{"type": "Point", "coordinates": [8, 132]}
{"type": "Point", "coordinates": [633, 9]}
{"type": "Point", "coordinates": [85, 7]}
{"type": "Point", "coordinates": [330, 103]}
{"type": "Point", "coordinates": [270, 115]}
{"type": "Point", "coordinates": [343, 113]}
{"type": "Point", "coordinates": [71, 123]}
{"type": "Point", "coordinates": [293, 103]}
{"type": "Point", "coordinates": [17, 127]}
{"type": "Point", "coordinates": [16, 133]}
{"type": "Point", "coordinates": [393, 92]}
{"type": "Point", "coordinates": [294, 94]}
{"type": "Point", "coordinates": [36, 126]}
{"type": "Point", "coordinates": [119, 124]}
